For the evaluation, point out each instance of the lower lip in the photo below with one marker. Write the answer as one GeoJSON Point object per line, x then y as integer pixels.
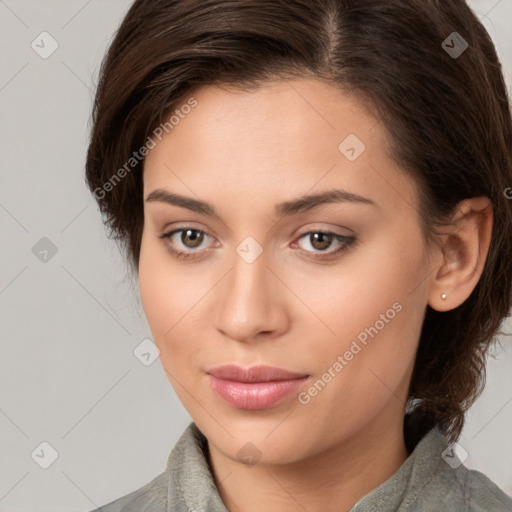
{"type": "Point", "coordinates": [254, 395]}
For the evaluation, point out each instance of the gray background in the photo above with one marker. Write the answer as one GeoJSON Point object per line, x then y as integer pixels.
{"type": "Point", "coordinates": [70, 324]}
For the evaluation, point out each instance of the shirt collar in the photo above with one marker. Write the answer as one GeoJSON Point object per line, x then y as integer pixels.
{"type": "Point", "coordinates": [411, 478]}
{"type": "Point", "coordinates": [192, 486]}
{"type": "Point", "coordinates": [191, 482]}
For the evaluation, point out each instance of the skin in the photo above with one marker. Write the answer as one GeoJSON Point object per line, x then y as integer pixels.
{"type": "Point", "coordinates": [244, 152]}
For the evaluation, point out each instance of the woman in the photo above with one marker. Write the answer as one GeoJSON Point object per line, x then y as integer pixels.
{"type": "Point", "coordinates": [313, 195]}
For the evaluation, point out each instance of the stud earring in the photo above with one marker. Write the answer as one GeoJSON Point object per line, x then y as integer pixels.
{"type": "Point", "coordinates": [443, 296]}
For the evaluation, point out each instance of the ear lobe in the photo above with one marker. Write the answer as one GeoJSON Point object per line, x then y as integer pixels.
{"type": "Point", "coordinates": [463, 253]}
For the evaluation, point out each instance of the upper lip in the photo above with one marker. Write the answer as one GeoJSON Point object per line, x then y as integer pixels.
{"type": "Point", "coordinates": [259, 373]}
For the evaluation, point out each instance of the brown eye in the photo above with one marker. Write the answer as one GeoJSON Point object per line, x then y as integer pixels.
{"type": "Point", "coordinates": [320, 241]}
{"type": "Point", "coordinates": [186, 242]}
{"type": "Point", "coordinates": [324, 243]}
{"type": "Point", "coordinates": [195, 236]}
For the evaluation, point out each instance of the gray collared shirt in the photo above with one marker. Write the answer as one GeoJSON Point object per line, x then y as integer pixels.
{"type": "Point", "coordinates": [424, 482]}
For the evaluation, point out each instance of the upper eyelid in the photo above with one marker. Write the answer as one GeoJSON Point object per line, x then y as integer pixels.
{"type": "Point", "coordinates": [168, 233]}
{"type": "Point", "coordinates": [190, 225]}
{"type": "Point", "coordinates": [310, 230]}
{"type": "Point", "coordinates": [172, 232]}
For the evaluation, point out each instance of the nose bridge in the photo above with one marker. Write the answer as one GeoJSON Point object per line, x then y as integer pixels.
{"type": "Point", "coordinates": [249, 300]}
{"type": "Point", "coordinates": [248, 279]}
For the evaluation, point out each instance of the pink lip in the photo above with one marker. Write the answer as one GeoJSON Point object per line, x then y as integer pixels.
{"type": "Point", "coordinates": [258, 387]}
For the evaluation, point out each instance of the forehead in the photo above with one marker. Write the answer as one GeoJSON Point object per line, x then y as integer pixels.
{"type": "Point", "coordinates": [283, 138]}
{"type": "Point", "coordinates": [282, 115]}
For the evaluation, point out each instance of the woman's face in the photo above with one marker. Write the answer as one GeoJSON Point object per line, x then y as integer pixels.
{"type": "Point", "coordinates": [260, 283]}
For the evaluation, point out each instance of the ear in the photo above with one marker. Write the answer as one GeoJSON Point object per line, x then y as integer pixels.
{"type": "Point", "coordinates": [461, 254]}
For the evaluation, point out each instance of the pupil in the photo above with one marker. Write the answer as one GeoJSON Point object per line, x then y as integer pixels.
{"type": "Point", "coordinates": [322, 245]}
{"type": "Point", "coordinates": [196, 239]}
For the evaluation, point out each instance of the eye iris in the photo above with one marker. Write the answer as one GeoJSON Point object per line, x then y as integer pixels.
{"type": "Point", "coordinates": [196, 239]}
{"type": "Point", "coordinates": [325, 240]}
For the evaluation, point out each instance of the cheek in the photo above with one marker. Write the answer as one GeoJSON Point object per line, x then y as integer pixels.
{"type": "Point", "coordinates": [162, 293]}
{"type": "Point", "coordinates": [377, 352]}
{"type": "Point", "coordinates": [376, 311]}
{"type": "Point", "coordinates": [155, 290]}
{"type": "Point", "coordinates": [371, 307]}
{"type": "Point", "coordinates": [171, 296]}
{"type": "Point", "coordinates": [350, 296]}
{"type": "Point", "coordinates": [161, 285]}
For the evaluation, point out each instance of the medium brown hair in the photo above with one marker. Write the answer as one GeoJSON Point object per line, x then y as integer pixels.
{"type": "Point", "coordinates": [447, 117]}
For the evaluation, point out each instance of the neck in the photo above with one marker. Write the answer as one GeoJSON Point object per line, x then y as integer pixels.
{"type": "Point", "coordinates": [330, 481]}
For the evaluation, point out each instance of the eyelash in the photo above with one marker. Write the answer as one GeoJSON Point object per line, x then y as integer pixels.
{"type": "Point", "coordinates": [347, 242]}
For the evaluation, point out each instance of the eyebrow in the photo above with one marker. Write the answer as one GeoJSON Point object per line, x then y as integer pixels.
{"type": "Point", "coordinates": [286, 208]}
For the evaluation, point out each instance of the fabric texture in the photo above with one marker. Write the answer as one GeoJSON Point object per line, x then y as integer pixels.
{"type": "Point", "coordinates": [424, 482]}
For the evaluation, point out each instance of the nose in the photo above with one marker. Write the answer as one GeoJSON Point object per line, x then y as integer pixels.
{"type": "Point", "coordinates": [251, 303]}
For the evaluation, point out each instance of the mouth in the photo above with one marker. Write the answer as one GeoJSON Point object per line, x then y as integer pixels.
{"type": "Point", "coordinates": [258, 387]}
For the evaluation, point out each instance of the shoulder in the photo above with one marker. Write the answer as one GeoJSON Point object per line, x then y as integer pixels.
{"type": "Point", "coordinates": [435, 478]}
{"type": "Point", "coordinates": [483, 494]}
{"type": "Point", "coordinates": [151, 497]}
{"type": "Point", "coordinates": [185, 480]}
{"type": "Point", "coordinates": [462, 489]}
